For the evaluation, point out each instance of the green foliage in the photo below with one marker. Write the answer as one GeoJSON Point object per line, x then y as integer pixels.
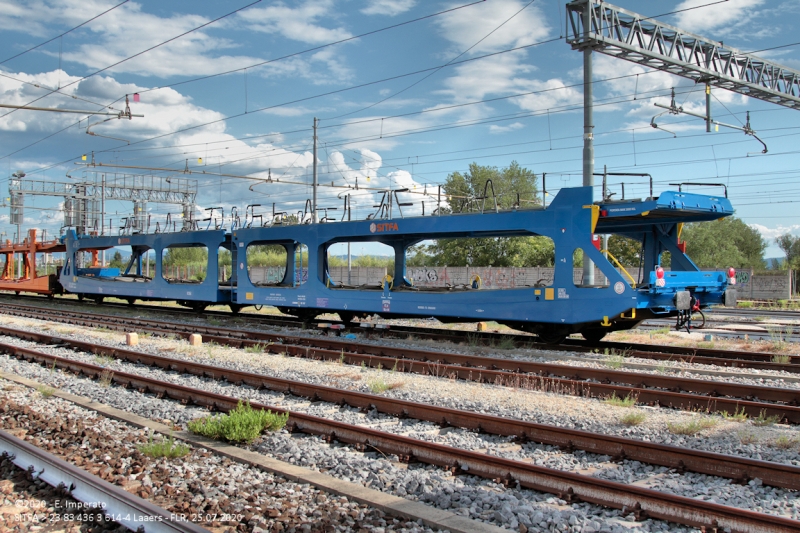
{"type": "Point", "coordinates": [727, 242]}
{"type": "Point", "coordinates": [379, 384]}
{"type": "Point", "coordinates": [164, 448]}
{"type": "Point", "coordinates": [461, 191]}
{"type": "Point", "coordinates": [790, 245]}
{"type": "Point", "coordinates": [692, 427]}
{"type": "Point", "coordinates": [737, 416]}
{"type": "Point", "coordinates": [366, 261]}
{"type": "Point", "coordinates": [268, 255]}
{"type": "Point", "coordinates": [185, 256]}
{"type": "Point", "coordinates": [627, 251]}
{"type": "Point", "coordinates": [243, 424]}
{"type": "Point", "coordinates": [46, 391]}
{"type": "Point", "coordinates": [763, 420]}
{"type": "Point", "coordinates": [634, 418]}
{"type": "Point", "coordinates": [116, 261]}
{"type": "Point", "coordinates": [627, 401]}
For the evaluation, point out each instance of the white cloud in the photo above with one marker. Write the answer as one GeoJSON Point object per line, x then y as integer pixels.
{"type": "Point", "coordinates": [504, 129]}
{"type": "Point", "coordinates": [724, 18]}
{"type": "Point", "coordinates": [388, 7]}
{"type": "Point", "coordinates": [467, 26]}
{"type": "Point", "coordinates": [770, 234]}
{"type": "Point", "coordinates": [296, 23]}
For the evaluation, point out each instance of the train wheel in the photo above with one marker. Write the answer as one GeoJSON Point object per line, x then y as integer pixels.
{"type": "Point", "coordinates": [594, 335]}
{"type": "Point", "coordinates": [131, 301]}
{"type": "Point", "coordinates": [198, 307]}
{"type": "Point", "coordinates": [81, 297]}
{"type": "Point", "coordinates": [235, 308]}
{"type": "Point", "coordinates": [552, 338]}
{"type": "Point", "coordinates": [346, 317]}
{"type": "Point", "coordinates": [98, 300]}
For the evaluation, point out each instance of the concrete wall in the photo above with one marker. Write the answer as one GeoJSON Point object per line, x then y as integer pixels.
{"type": "Point", "coordinates": [775, 285]}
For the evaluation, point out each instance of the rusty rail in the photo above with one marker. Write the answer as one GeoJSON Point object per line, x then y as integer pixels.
{"type": "Point", "coordinates": [568, 486]}
{"type": "Point", "coordinates": [738, 468]}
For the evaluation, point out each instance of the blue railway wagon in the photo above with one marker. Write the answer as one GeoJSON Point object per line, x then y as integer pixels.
{"type": "Point", "coordinates": [131, 283]}
{"type": "Point", "coordinates": [552, 310]}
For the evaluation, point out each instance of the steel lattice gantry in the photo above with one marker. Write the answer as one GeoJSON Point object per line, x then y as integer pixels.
{"type": "Point", "coordinates": [617, 32]}
{"type": "Point", "coordinates": [82, 200]}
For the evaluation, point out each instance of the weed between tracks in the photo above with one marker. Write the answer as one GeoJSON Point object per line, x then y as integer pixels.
{"type": "Point", "coordinates": [692, 427]}
{"type": "Point", "coordinates": [242, 424]}
{"type": "Point", "coordinates": [106, 377]}
{"type": "Point", "coordinates": [763, 420]}
{"type": "Point", "coordinates": [627, 401]}
{"type": "Point", "coordinates": [45, 391]}
{"type": "Point", "coordinates": [633, 418]}
{"type": "Point", "coordinates": [168, 448]}
{"type": "Point", "coordinates": [737, 416]}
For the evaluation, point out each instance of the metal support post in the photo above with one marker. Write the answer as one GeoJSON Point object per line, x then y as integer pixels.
{"type": "Point", "coordinates": [314, 186]}
{"type": "Point", "coordinates": [588, 126]}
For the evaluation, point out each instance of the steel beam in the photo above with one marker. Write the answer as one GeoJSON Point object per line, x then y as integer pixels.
{"type": "Point", "coordinates": [620, 33]}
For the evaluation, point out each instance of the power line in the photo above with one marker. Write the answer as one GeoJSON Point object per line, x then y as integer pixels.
{"type": "Point", "coordinates": [142, 52]}
{"type": "Point", "coordinates": [320, 47]}
{"type": "Point", "coordinates": [65, 33]}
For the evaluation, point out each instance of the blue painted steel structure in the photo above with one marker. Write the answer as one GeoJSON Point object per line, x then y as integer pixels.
{"type": "Point", "coordinates": [552, 310]}
{"type": "Point", "coordinates": [132, 284]}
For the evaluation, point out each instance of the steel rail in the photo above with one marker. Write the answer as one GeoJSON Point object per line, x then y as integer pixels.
{"type": "Point", "coordinates": [646, 388]}
{"type": "Point", "coordinates": [733, 467]}
{"type": "Point", "coordinates": [568, 486]}
{"type": "Point", "coordinates": [96, 494]}
{"type": "Point", "coordinates": [709, 356]}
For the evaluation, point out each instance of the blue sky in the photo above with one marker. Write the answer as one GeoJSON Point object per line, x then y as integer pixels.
{"type": "Point", "coordinates": [383, 123]}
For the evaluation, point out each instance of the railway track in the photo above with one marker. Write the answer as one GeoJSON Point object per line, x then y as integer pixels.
{"type": "Point", "coordinates": [568, 486]}
{"type": "Point", "coordinates": [668, 391]}
{"type": "Point", "coordinates": [94, 493]}
{"type": "Point", "coordinates": [707, 356]}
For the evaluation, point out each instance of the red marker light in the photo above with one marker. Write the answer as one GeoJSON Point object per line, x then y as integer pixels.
{"type": "Point", "coordinates": [603, 213]}
{"type": "Point", "coordinates": [660, 273]}
{"type": "Point", "coordinates": [731, 272]}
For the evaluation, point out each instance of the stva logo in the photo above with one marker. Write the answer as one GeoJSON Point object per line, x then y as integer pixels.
{"type": "Point", "coordinates": [384, 226]}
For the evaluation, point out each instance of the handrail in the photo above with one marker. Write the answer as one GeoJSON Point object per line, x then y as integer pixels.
{"type": "Point", "coordinates": [619, 265]}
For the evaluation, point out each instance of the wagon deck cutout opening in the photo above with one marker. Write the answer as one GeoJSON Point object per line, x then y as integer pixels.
{"type": "Point", "coordinates": [298, 267]}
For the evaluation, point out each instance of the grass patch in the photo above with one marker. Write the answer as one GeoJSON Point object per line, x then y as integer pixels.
{"type": "Point", "coordinates": [763, 420]}
{"type": "Point", "coordinates": [103, 360]}
{"type": "Point", "coordinates": [782, 359]}
{"type": "Point", "coordinates": [633, 418]}
{"type": "Point", "coordinates": [660, 331]}
{"type": "Point", "coordinates": [256, 348]}
{"type": "Point", "coordinates": [744, 305]}
{"type": "Point", "coordinates": [168, 448]}
{"type": "Point", "coordinates": [778, 341]}
{"type": "Point", "coordinates": [243, 424]}
{"type": "Point", "coordinates": [615, 361]}
{"type": "Point", "coordinates": [785, 443]}
{"type": "Point", "coordinates": [45, 391]}
{"type": "Point", "coordinates": [737, 416]}
{"type": "Point", "coordinates": [747, 437]}
{"type": "Point", "coordinates": [106, 377]}
{"type": "Point", "coordinates": [507, 343]}
{"type": "Point", "coordinates": [691, 427]}
{"type": "Point", "coordinates": [379, 384]}
{"type": "Point", "coordinates": [627, 401]}
{"type": "Point", "coordinates": [708, 345]}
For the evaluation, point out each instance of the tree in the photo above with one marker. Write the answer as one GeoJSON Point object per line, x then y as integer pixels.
{"type": "Point", "coordinates": [790, 245]}
{"type": "Point", "coordinates": [627, 251]}
{"type": "Point", "coordinates": [116, 261]}
{"type": "Point", "coordinates": [727, 242]}
{"type": "Point", "coordinates": [513, 186]}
